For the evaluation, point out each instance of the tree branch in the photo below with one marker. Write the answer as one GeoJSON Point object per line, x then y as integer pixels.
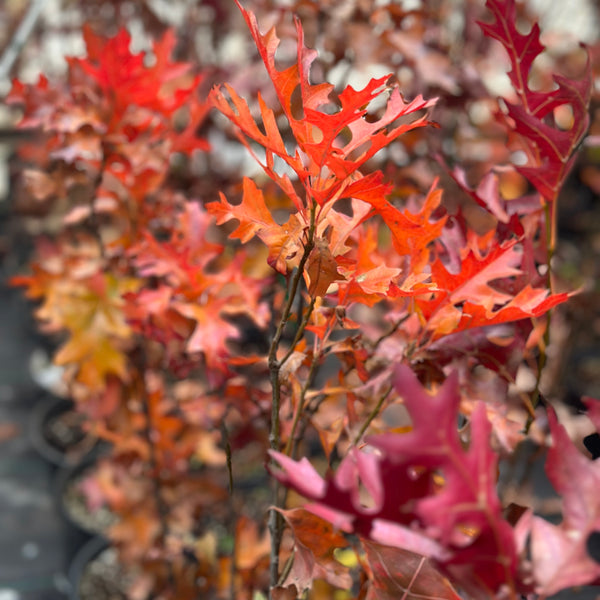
{"type": "Point", "coordinates": [275, 519]}
{"type": "Point", "coordinates": [14, 47]}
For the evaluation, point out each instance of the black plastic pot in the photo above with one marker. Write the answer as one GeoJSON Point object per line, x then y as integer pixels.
{"type": "Point", "coordinates": [56, 431]}
{"type": "Point", "coordinates": [95, 573]}
{"type": "Point", "coordinates": [82, 562]}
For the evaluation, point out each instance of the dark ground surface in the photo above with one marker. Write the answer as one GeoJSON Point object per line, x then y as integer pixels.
{"type": "Point", "coordinates": [34, 539]}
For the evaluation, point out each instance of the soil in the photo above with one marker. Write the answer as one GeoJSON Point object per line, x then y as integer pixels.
{"type": "Point", "coordinates": [64, 431]}
{"type": "Point", "coordinates": [58, 433]}
{"type": "Point", "coordinates": [102, 577]}
{"type": "Point", "coordinates": [75, 506]}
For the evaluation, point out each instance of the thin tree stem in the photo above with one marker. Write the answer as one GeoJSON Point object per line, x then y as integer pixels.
{"type": "Point", "coordinates": [371, 417]}
{"type": "Point", "coordinates": [161, 507]}
{"type": "Point", "coordinates": [26, 27]}
{"type": "Point", "coordinates": [275, 519]}
{"type": "Point", "coordinates": [299, 332]}
{"type": "Point", "coordinates": [309, 379]}
{"type": "Point", "coordinates": [550, 221]}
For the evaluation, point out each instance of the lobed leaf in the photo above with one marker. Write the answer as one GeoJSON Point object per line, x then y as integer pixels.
{"type": "Point", "coordinates": [550, 150]}
{"type": "Point", "coordinates": [475, 296]}
{"type": "Point", "coordinates": [331, 147]}
{"type": "Point", "coordinates": [456, 520]}
{"type": "Point", "coordinates": [397, 573]}
{"type": "Point", "coordinates": [560, 553]}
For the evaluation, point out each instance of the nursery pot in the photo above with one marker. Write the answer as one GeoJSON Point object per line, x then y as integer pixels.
{"type": "Point", "coordinates": [56, 431]}
{"type": "Point", "coordinates": [95, 573]}
{"type": "Point", "coordinates": [72, 503]}
{"type": "Point", "coordinates": [81, 561]}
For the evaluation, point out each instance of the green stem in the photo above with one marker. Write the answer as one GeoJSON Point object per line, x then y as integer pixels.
{"type": "Point", "coordinates": [227, 445]}
{"type": "Point", "coordinates": [286, 568]}
{"type": "Point", "coordinates": [550, 220]}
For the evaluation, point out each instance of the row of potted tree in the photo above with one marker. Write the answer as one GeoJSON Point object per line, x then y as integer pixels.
{"type": "Point", "coordinates": [341, 304]}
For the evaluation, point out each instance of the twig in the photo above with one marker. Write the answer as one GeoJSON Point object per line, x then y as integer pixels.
{"type": "Point", "coordinates": [300, 332]}
{"type": "Point", "coordinates": [227, 445]}
{"type": "Point", "coordinates": [300, 408]}
{"type": "Point", "coordinates": [27, 25]}
{"type": "Point", "coordinates": [161, 506]}
{"type": "Point", "coordinates": [289, 563]}
{"type": "Point", "coordinates": [310, 410]}
{"type": "Point", "coordinates": [230, 503]}
{"type": "Point", "coordinates": [391, 332]}
{"type": "Point", "coordinates": [275, 519]}
{"type": "Point", "coordinates": [371, 417]}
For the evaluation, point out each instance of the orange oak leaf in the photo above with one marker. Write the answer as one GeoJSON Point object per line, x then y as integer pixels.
{"type": "Point", "coordinates": [331, 146]}
{"type": "Point", "coordinates": [315, 542]}
{"type": "Point", "coordinates": [255, 218]}
{"type": "Point", "coordinates": [529, 302]}
{"type": "Point", "coordinates": [253, 215]}
{"type": "Point", "coordinates": [369, 287]}
{"type": "Point", "coordinates": [284, 243]}
{"type": "Point", "coordinates": [99, 334]}
{"type": "Point", "coordinates": [475, 296]}
{"type": "Point", "coordinates": [89, 308]}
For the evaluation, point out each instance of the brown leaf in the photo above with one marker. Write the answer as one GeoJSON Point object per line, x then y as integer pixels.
{"type": "Point", "coordinates": [284, 593]}
{"type": "Point", "coordinates": [321, 268]}
{"type": "Point", "coordinates": [315, 543]}
{"type": "Point", "coordinates": [250, 547]}
{"type": "Point", "coordinates": [397, 573]}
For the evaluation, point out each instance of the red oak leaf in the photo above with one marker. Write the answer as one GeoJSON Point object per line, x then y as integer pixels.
{"type": "Point", "coordinates": [211, 332]}
{"type": "Point", "coordinates": [188, 287]}
{"type": "Point", "coordinates": [411, 232]}
{"type": "Point", "coordinates": [442, 503]}
{"type": "Point", "coordinates": [560, 554]}
{"type": "Point", "coordinates": [182, 260]}
{"type": "Point", "coordinates": [550, 150]}
{"type": "Point", "coordinates": [478, 295]}
{"type": "Point", "coordinates": [115, 68]}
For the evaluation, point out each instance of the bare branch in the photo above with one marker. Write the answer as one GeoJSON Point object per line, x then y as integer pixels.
{"type": "Point", "coordinates": [27, 25]}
